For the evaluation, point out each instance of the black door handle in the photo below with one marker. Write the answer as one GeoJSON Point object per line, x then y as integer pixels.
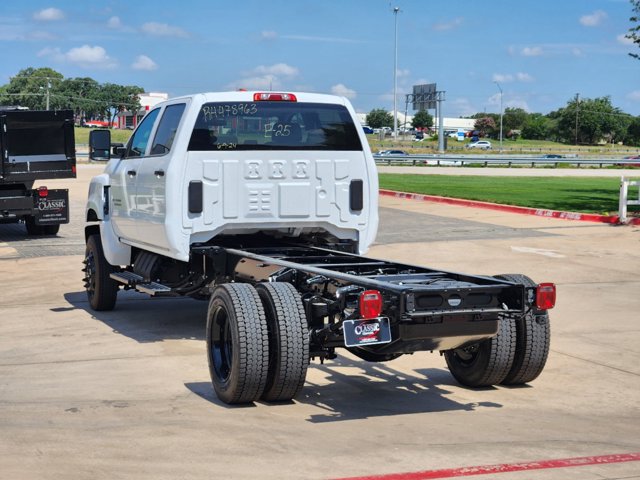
{"type": "Point", "coordinates": [159, 173]}
{"type": "Point", "coordinates": [131, 173]}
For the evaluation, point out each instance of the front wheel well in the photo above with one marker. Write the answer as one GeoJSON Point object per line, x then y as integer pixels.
{"type": "Point", "coordinates": [91, 230]}
{"type": "Point", "coordinates": [92, 216]}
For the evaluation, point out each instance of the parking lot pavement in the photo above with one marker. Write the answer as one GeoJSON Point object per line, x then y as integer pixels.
{"type": "Point", "coordinates": [126, 394]}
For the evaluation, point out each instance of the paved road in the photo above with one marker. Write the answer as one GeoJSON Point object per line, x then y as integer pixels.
{"type": "Point", "coordinates": [126, 394]}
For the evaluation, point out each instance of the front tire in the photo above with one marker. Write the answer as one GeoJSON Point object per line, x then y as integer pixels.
{"type": "Point", "coordinates": [101, 289]}
{"type": "Point", "coordinates": [288, 340]}
{"type": "Point", "coordinates": [532, 339]}
{"type": "Point", "coordinates": [485, 363]}
{"type": "Point", "coordinates": [237, 343]}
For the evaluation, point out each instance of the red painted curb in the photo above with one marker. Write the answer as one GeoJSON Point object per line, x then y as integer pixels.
{"type": "Point", "coordinates": [585, 217]}
{"type": "Point", "coordinates": [506, 467]}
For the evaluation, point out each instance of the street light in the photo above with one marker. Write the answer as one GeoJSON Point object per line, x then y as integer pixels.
{"type": "Point", "coordinates": [395, 74]}
{"type": "Point", "coordinates": [500, 88]}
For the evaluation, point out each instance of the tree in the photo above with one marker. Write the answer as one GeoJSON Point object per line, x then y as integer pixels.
{"type": "Point", "coordinates": [485, 125]}
{"type": "Point", "coordinates": [536, 127]}
{"type": "Point", "coordinates": [633, 132]}
{"type": "Point", "coordinates": [634, 31]}
{"type": "Point", "coordinates": [31, 87]}
{"type": "Point", "coordinates": [422, 119]}
{"type": "Point", "coordinates": [514, 119]}
{"type": "Point", "coordinates": [379, 117]}
{"type": "Point", "coordinates": [119, 98]}
{"type": "Point", "coordinates": [596, 120]}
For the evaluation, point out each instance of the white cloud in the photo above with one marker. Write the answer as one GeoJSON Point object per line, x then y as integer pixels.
{"type": "Point", "coordinates": [403, 73]}
{"type": "Point", "coordinates": [163, 30]}
{"type": "Point", "coordinates": [268, 35]}
{"type": "Point", "coordinates": [85, 56]}
{"type": "Point", "coordinates": [593, 19]}
{"type": "Point", "coordinates": [54, 54]}
{"type": "Point", "coordinates": [442, 26]}
{"type": "Point", "coordinates": [524, 77]}
{"type": "Point", "coordinates": [502, 77]}
{"type": "Point", "coordinates": [277, 69]}
{"type": "Point", "coordinates": [48, 15]}
{"type": "Point", "coordinates": [635, 96]}
{"type": "Point", "coordinates": [624, 40]}
{"type": "Point", "coordinates": [266, 77]}
{"type": "Point", "coordinates": [531, 51]}
{"type": "Point", "coordinates": [114, 23]}
{"type": "Point", "coordinates": [341, 90]}
{"type": "Point", "coordinates": [508, 77]}
{"type": "Point", "coordinates": [462, 107]}
{"type": "Point", "coordinates": [143, 62]}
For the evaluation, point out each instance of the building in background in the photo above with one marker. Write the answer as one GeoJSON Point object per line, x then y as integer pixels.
{"type": "Point", "coordinates": [130, 120]}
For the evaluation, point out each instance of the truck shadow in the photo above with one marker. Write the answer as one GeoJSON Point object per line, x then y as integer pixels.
{"type": "Point", "coordinates": [356, 390]}
{"type": "Point", "coordinates": [145, 319]}
{"type": "Point", "coordinates": [342, 389]}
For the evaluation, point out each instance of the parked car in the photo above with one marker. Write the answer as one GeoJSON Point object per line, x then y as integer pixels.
{"type": "Point", "coordinates": [481, 144]}
{"type": "Point", "coordinates": [367, 129]}
{"type": "Point", "coordinates": [631, 157]}
{"type": "Point", "coordinates": [392, 152]}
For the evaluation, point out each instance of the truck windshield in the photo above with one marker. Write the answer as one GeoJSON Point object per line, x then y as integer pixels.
{"type": "Point", "coordinates": [274, 126]}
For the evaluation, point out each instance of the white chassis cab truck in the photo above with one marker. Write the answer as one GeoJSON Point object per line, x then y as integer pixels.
{"type": "Point", "coordinates": [264, 204]}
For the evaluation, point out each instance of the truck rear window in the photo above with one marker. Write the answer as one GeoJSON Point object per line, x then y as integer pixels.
{"type": "Point", "coordinates": [274, 126]}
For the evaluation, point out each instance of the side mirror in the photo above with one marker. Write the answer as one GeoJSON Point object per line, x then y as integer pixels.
{"type": "Point", "coordinates": [99, 145]}
{"type": "Point", "coordinates": [119, 150]}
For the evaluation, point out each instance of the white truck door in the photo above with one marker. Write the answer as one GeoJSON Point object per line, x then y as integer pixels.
{"type": "Point", "coordinates": [151, 191]}
{"type": "Point", "coordinates": [124, 179]}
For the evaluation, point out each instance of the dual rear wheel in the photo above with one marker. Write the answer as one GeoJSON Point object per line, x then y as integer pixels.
{"type": "Point", "coordinates": [515, 356]}
{"type": "Point", "coordinates": [257, 342]}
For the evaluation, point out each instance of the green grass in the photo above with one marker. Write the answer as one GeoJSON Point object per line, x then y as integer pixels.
{"type": "Point", "coordinates": [82, 135]}
{"type": "Point", "coordinates": [585, 195]}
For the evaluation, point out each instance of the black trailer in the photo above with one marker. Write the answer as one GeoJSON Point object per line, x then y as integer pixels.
{"type": "Point", "coordinates": [35, 145]}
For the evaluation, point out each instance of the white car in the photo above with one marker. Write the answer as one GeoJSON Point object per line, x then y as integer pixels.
{"type": "Point", "coordinates": [481, 144]}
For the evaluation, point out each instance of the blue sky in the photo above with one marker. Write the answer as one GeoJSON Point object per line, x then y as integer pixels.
{"type": "Point", "coordinates": [542, 53]}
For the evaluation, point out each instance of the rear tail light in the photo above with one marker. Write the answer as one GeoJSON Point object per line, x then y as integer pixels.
{"type": "Point", "coordinates": [43, 192]}
{"type": "Point", "coordinates": [545, 296]}
{"type": "Point", "coordinates": [274, 97]}
{"type": "Point", "coordinates": [370, 304]}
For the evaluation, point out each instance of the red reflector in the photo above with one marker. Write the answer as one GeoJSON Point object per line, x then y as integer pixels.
{"type": "Point", "coordinates": [43, 192]}
{"type": "Point", "coordinates": [274, 97]}
{"type": "Point", "coordinates": [545, 296]}
{"type": "Point", "coordinates": [73, 169]}
{"type": "Point", "coordinates": [370, 304]}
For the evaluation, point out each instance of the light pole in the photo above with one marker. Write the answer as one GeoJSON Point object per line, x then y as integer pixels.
{"type": "Point", "coordinates": [395, 74]}
{"type": "Point", "coordinates": [500, 88]}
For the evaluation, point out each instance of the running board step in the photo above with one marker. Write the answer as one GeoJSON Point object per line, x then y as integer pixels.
{"type": "Point", "coordinates": [136, 281]}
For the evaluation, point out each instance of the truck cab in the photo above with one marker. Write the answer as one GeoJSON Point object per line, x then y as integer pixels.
{"type": "Point", "coordinates": [237, 163]}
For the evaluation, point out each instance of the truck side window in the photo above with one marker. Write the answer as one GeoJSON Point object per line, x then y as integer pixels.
{"type": "Point", "coordinates": [167, 129]}
{"type": "Point", "coordinates": [140, 139]}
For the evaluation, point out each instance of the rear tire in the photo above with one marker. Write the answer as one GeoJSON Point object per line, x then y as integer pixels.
{"type": "Point", "coordinates": [32, 227]}
{"type": "Point", "coordinates": [288, 340]}
{"type": "Point", "coordinates": [237, 343]}
{"type": "Point", "coordinates": [532, 339]}
{"type": "Point", "coordinates": [51, 229]}
{"type": "Point", "coordinates": [487, 362]}
{"type": "Point", "coordinates": [102, 290]}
